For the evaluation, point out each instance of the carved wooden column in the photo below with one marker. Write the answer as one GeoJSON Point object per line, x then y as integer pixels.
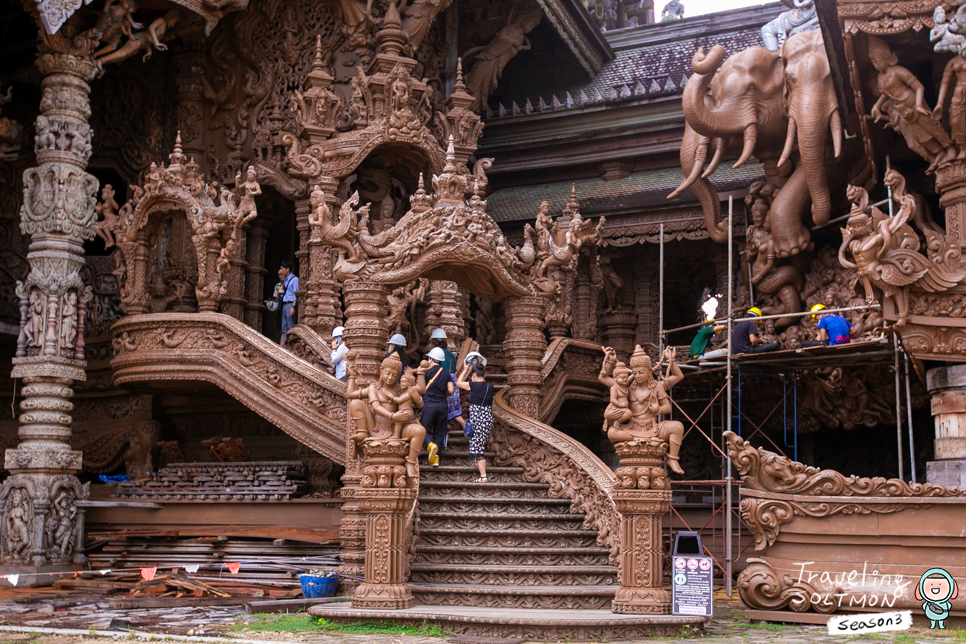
{"type": "Point", "coordinates": [951, 185]}
{"type": "Point", "coordinates": [642, 495]}
{"type": "Point", "coordinates": [367, 310]}
{"type": "Point", "coordinates": [386, 496]}
{"type": "Point", "coordinates": [618, 329]}
{"type": "Point", "coordinates": [302, 210]}
{"type": "Point", "coordinates": [645, 298]}
{"type": "Point", "coordinates": [255, 274]}
{"type": "Point", "coordinates": [322, 311]}
{"type": "Point", "coordinates": [524, 346]}
{"type": "Point", "coordinates": [234, 302]}
{"type": "Point", "coordinates": [559, 316]}
{"type": "Point", "coordinates": [40, 526]}
{"type": "Point", "coordinates": [948, 388]}
{"type": "Point", "coordinates": [449, 310]}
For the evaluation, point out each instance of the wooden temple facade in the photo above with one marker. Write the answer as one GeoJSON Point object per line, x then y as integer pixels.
{"type": "Point", "coordinates": [558, 185]}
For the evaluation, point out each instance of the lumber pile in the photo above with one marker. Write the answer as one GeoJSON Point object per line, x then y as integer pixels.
{"type": "Point", "coordinates": [254, 481]}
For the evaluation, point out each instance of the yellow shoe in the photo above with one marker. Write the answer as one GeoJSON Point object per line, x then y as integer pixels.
{"type": "Point", "coordinates": [433, 451]}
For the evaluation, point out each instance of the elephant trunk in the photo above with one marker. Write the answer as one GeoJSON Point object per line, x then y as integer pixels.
{"type": "Point", "coordinates": [699, 106]}
{"type": "Point", "coordinates": [813, 118]}
{"type": "Point", "coordinates": [692, 145]}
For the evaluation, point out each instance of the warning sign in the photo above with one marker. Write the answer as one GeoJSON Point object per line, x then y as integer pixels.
{"type": "Point", "coordinates": [691, 580]}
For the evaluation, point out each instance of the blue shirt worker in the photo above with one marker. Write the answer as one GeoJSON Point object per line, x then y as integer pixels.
{"type": "Point", "coordinates": [290, 284]}
{"type": "Point", "coordinates": [339, 349]}
{"type": "Point", "coordinates": [832, 329]}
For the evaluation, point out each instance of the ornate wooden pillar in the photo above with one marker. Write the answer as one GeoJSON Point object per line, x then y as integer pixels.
{"type": "Point", "coordinates": [524, 346]}
{"type": "Point", "coordinates": [617, 330]}
{"type": "Point", "coordinates": [367, 310]}
{"type": "Point", "coordinates": [234, 302]}
{"type": "Point", "coordinates": [386, 496]}
{"type": "Point", "coordinates": [642, 495]}
{"type": "Point", "coordinates": [190, 108]}
{"type": "Point", "coordinates": [947, 385]}
{"type": "Point", "coordinates": [255, 274]}
{"type": "Point", "coordinates": [449, 306]}
{"type": "Point", "coordinates": [322, 311]}
{"type": "Point", "coordinates": [40, 526]}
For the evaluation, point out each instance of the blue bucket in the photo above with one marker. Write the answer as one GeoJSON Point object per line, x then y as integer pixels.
{"type": "Point", "coordinates": [315, 587]}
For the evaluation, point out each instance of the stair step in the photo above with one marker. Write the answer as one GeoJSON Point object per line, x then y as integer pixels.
{"type": "Point", "coordinates": [514, 550]}
{"type": "Point", "coordinates": [515, 596]}
{"type": "Point", "coordinates": [488, 521]}
{"type": "Point", "coordinates": [495, 485]}
{"type": "Point", "coordinates": [499, 575]}
{"type": "Point", "coordinates": [459, 537]}
{"type": "Point", "coordinates": [507, 507]}
{"type": "Point", "coordinates": [511, 556]}
{"type": "Point", "coordinates": [434, 490]}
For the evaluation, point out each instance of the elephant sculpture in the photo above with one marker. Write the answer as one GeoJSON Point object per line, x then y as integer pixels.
{"type": "Point", "coordinates": [778, 106]}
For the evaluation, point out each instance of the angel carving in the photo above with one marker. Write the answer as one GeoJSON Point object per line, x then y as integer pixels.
{"type": "Point", "coordinates": [882, 263]}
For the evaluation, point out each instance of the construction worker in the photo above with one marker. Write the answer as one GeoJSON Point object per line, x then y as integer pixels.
{"type": "Point", "coordinates": [702, 341]}
{"type": "Point", "coordinates": [746, 337]}
{"type": "Point", "coordinates": [832, 329]}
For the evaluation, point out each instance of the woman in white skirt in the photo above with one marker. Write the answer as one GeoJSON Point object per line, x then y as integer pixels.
{"type": "Point", "coordinates": [481, 413]}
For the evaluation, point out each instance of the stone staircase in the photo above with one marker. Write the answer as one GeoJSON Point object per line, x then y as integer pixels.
{"type": "Point", "coordinates": [504, 543]}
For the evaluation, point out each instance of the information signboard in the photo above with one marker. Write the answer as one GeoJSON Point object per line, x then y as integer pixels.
{"type": "Point", "coordinates": [691, 580]}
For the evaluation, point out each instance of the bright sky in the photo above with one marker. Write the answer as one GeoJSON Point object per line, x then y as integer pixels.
{"type": "Point", "coordinates": [700, 7]}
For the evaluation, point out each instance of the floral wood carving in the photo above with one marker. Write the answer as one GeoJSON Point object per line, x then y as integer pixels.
{"type": "Point", "coordinates": [761, 587]}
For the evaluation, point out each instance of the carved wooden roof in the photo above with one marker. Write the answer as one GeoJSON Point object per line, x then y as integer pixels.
{"type": "Point", "coordinates": [638, 191]}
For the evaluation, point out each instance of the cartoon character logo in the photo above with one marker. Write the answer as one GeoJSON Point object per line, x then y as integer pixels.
{"type": "Point", "coordinates": [936, 591]}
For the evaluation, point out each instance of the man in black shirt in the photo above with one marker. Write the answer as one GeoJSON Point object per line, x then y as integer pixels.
{"type": "Point", "coordinates": [745, 336]}
{"type": "Point", "coordinates": [438, 387]}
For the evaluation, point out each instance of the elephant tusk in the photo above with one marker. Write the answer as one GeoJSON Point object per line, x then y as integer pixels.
{"type": "Point", "coordinates": [751, 137]}
{"type": "Point", "coordinates": [716, 159]}
{"type": "Point", "coordinates": [789, 141]}
{"type": "Point", "coordinates": [835, 123]}
{"type": "Point", "coordinates": [699, 157]}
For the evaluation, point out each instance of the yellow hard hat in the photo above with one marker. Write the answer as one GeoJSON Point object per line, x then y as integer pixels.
{"type": "Point", "coordinates": [755, 311]}
{"type": "Point", "coordinates": [815, 309]}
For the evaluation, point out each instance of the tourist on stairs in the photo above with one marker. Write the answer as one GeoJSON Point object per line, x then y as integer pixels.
{"type": "Point", "coordinates": [290, 284]}
{"type": "Point", "coordinates": [396, 345]}
{"type": "Point", "coordinates": [339, 349]}
{"type": "Point", "coordinates": [438, 388]}
{"type": "Point", "coordinates": [438, 337]}
{"type": "Point", "coordinates": [481, 412]}
{"type": "Point", "coordinates": [746, 337]}
{"type": "Point", "coordinates": [832, 329]}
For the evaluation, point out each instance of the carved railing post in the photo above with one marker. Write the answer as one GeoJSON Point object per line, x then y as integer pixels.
{"type": "Point", "coordinates": [39, 522]}
{"type": "Point", "coordinates": [524, 347]}
{"type": "Point", "coordinates": [642, 495]}
{"type": "Point", "coordinates": [386, 496]}
{"type": "Point", "coordinates": [367, 309]}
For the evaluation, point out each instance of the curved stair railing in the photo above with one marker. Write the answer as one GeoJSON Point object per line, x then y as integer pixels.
{"type": "Point", "coordinates": [573, 471]}
{"type": "Point", "coordinates": [569, 372]}
{"type": "Point", "coordinates": [291, 393]}
{"type": "Point", "coordinates": [309, 345]}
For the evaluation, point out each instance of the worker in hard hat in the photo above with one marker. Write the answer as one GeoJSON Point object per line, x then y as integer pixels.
{"type": "Point", "coordinates": [746, 336]}
{"type": "Point", "coordinates": [438, 339]}
{"type": "Point", "coordinates": [439, 387]}
{"type": "Point", "coordinates": [701, 342]}
{"type": "Point", "coordinates": [396, 345]}
{"type": "Point", "coordinates": [832, 329]}
{"type": "Point", "coordinates": [339, 349]}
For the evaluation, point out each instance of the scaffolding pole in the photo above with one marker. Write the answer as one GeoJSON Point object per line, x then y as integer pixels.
{"type": "Point", "coordinates": [729, 502]}
{"type": "Point", "coordinates": [895, 340]}
{"type": "Point", "coordinates": [912, 446]}
{"type": "Point", "coordinates": [660, 301]}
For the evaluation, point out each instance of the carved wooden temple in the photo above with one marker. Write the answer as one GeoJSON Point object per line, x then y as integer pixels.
{"type": "Point", "coordinates": [557, 185]}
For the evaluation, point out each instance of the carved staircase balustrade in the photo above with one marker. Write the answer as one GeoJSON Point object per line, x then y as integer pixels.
{"type": "Point", "coordinates": [291, 393]}
{"type": "Point", "coordinates": [309, 346]}
{"type": "Point", "coordinates": [569, 372]}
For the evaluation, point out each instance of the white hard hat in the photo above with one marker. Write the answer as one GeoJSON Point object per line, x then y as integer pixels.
{"type": "Point", "coordinates": [438, 334]}
{"type": "Point", "coordinates": [477, 356]}
{"type": "Point", "coordinates": [437, 354]}
{"type": "Point", "coordinates": [398, 340]}
{"type": "Point", "coordinates": [338, 331]}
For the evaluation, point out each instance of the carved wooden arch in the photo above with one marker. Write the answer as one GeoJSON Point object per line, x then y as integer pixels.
{"type": "Point", "coordinates": [425, 145]}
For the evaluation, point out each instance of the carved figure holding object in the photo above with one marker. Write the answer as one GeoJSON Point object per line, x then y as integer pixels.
{"type": "Point", "coordinates": [493, 57]}
{"type": "Point", "coordinates": [251, 188]}
{"type": "Point", "coordinates": [648, 399]}
{"type": "Point", "coordinates": [420, 15]}
{"type": "Point", "coordinates": [945, 34]}
{"type": "Point", "coordinates": [618, 410]}
{"type": "Point", "coordinates": [116, 20]}
{"type": "Point", "coordinates": [905, 91]}
{"type": "Point", "coordinates": [410, 397]}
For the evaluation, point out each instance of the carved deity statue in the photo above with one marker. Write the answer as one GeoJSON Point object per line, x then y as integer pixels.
{"type": "Point", "coordinates": [60, 526]}
{"type": "Point", "coordinates": [900, 86]}
{"type": "Point", "coordinates": [882, 263]}
{"type": "Point", "coordinates": [16, 538]}
{"type": "Point", "coordinates": [384, 409]}
{"type": "Point", "coordinates": [947, 35]}
{"type": "Point", "coordinates": [782, 281]}
{"type": "Point", "coordinates": [419, 15]}
{"type": "Point", "coordinates": [148, 40]}
{"type": "Point", "coordinates": [250, 188]}
{"type": "Point", "coordinates": [801, 17]}
{"type": "Point", "coordinates": [107, 210]}
{"type": "Point", "coordinates": [647, 400]}
{"type": "Point", "coordinates": [494, 56]}
{"type": "Point", "coordinates": [674, 10]}
{"type": "Point", "coordinates": [115, 22]}
{"type": "Point", "coordinates": [611, 282]}
{"type": "Point", "coordinates": [955, 72]}
{"type": "Point", "coordinates": [68, 320]}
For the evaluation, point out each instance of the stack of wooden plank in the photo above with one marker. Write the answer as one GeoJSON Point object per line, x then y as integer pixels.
{"type": "Point", "coordinates": [255, 481]}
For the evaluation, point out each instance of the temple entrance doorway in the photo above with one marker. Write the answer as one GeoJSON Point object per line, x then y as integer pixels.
{"type": "Point", "coordinates": [276, 219]}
